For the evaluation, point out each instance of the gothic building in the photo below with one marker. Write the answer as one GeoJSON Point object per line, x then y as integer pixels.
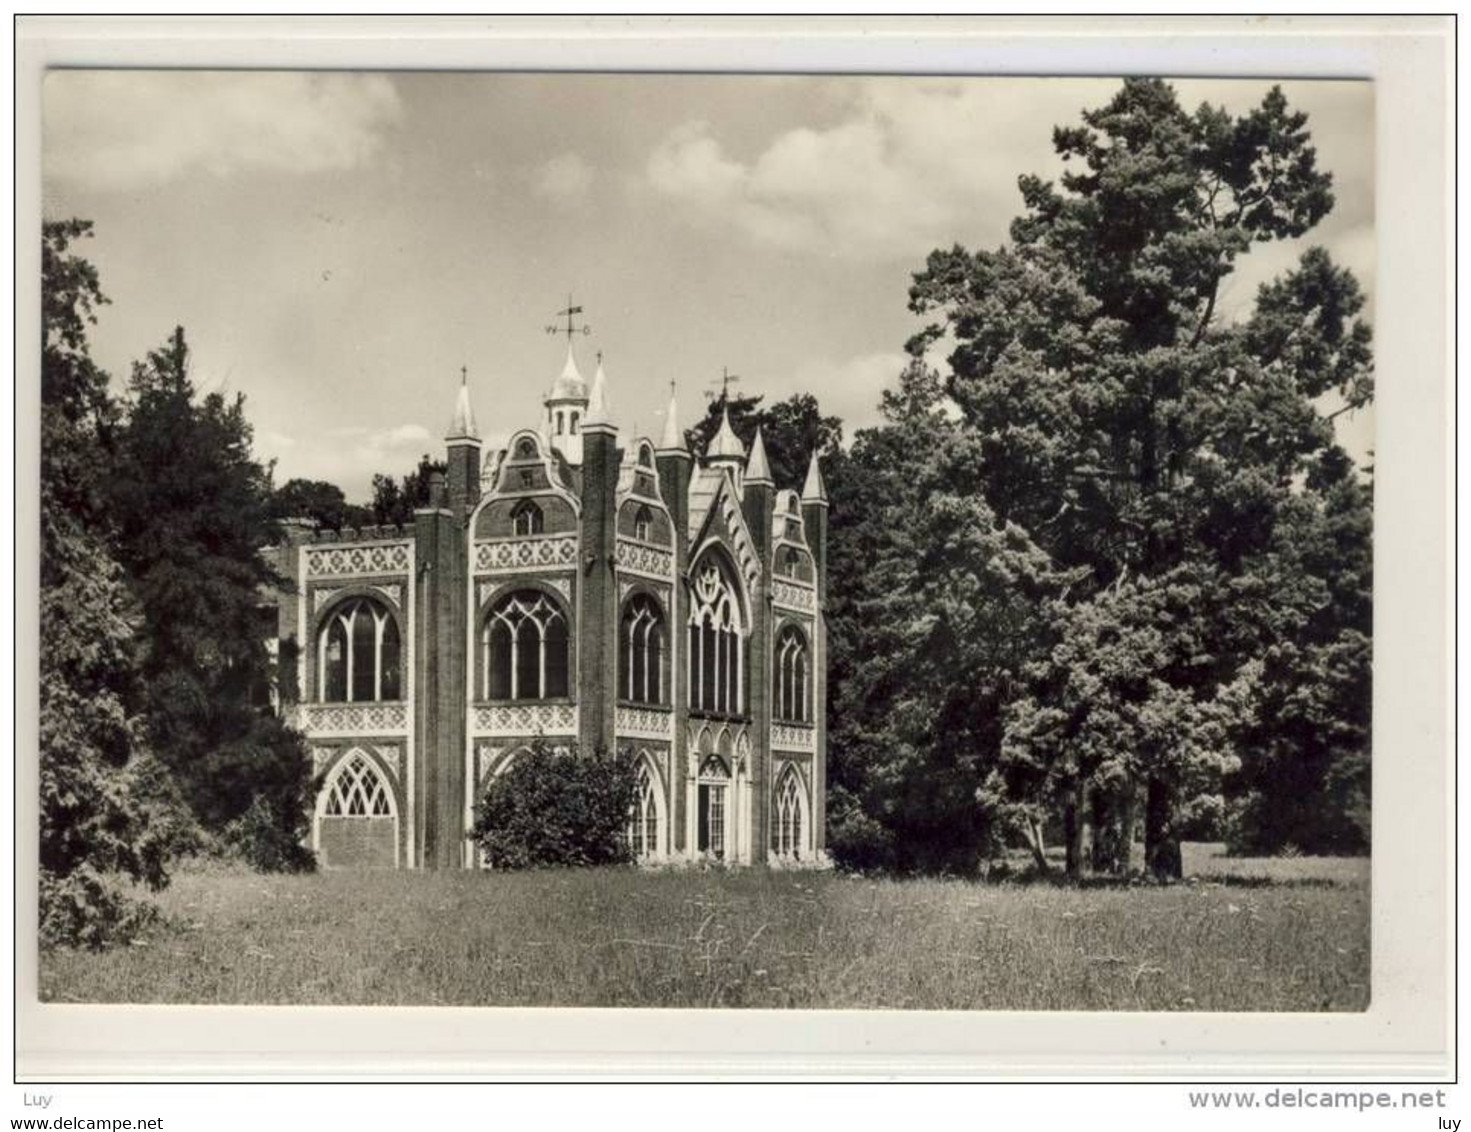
{"type": "Point", "coordinates": [571, 587]}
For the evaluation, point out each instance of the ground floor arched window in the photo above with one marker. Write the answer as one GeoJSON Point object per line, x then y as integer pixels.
{"type": "Point", "coordinates": [786, 816]}
{"type": "Point", "coordinates": [643, 829]}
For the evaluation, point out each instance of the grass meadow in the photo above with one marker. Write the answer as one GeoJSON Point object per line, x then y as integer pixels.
{"type": "Point", "coordinates": [1238, 935]}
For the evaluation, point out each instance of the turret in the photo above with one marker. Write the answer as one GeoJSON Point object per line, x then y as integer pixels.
{"type": "Point", "coordinates": [462, 442]}
{"type": "Point", "coordinates": [814, 522]}
{"type": "Point", "coordinates": [758, 498]}
{"type": "Point", "coordinates": [598, 624]}
{"type": "Point", "coordinates": [675, 464]}
{"type": "Point", "coordinates": [566, 410]}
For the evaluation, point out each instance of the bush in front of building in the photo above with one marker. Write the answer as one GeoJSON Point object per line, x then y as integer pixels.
{"type": "Point", "coordinates": [555, 806]}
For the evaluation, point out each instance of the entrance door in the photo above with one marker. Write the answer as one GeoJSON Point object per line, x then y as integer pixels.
{"type": "Point", "coordinates": [712, 820]}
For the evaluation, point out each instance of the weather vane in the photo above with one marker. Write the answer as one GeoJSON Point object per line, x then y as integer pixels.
{"type": "Point", "coordinates": [571, 329]}
{"type": "Point", "coordinates": [726, 377]}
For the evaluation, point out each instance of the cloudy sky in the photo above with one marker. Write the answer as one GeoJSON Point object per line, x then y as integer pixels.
{"type": "Point", "coordinates": [337, 246]}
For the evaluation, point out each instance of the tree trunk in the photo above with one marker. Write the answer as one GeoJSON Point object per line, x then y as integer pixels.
{"type": "Point", "coordinates": [1038, 845]}
{"type": "Point", "coordinates": [1161, 842]}
{"type": "Point", "coordinates": [1072, 832]}
{"type": "Point", "coordinates": [1105, 843]}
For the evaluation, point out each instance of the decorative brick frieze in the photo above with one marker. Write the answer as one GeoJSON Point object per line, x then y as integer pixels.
{"type": "Point", "coordinates": [358, 560]}
{"type": "Point", "coordinates": [793, 737]}
{"type": "Point", "coordinates": [524, 719]}
{"type": "Point", "coordinates": [322, 720]}
{"type": "Point", "coordinates": [643, 723]}
{"type": "Point", "coordinates": [511, 556]}
{"type": "Point", "coordinates": [794, 595]}
{"type": "Point", "coordinates": [645, 560]}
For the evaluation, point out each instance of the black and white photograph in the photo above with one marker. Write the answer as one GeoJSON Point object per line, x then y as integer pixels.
{"type": "Point", "coordinates": [698, 541]}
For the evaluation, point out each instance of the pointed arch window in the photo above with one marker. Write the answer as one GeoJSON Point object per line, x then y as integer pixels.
{"type": "Point", "coordinates": [790, 695]}
{"type": "Point", "coordinates": [527, 519]}
{"type": "Point", "coordinates": [358, 791]}
{"type": "Point", "coordinates": [641, 652]}
{"type": "Point", "coordinates": [716, 650]}
{"type": "Point", "coordinates": [786, 816]}
{"type": "Point", "coordinates": [358, 654]}
{"type": "Point", "coordinates": [524, 649]}
{"type": "Point", "coordinates": [643, 524]}
{"type": "Point", "coordinates": [791, 562]}
{"type": "Point", "coordinates": [643, 828]}
{"type": "Point", "coordinates": [526, 449]}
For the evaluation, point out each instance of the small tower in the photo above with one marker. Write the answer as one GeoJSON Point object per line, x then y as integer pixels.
{"type": "Point", "coordinates": [598, 625]}
{"type": "Point", "coordinates": [566, 407]}
{"type": "Point", "coordinates": [814, 523]}
{"type": "Point", "coordinates": [462, 442]}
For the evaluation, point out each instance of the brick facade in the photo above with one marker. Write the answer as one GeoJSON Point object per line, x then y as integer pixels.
{"type": "Point", "coordinates": [578, 589]}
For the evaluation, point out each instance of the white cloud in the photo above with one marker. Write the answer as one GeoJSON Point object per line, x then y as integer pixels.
{"type": "Point", "coordinates": [911, 165]}
{"type": "Point", "coordinates": [349, 456]}
{"type": "Point", "coordinates": [564, 179]}
{"type": "Point", "coordinates": [850, 388]}
{"type": "Point", "coordinates": [128, 129]}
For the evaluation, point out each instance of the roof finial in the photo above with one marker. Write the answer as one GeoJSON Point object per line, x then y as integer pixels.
{"type": "Point", "coordinates": [597, 398]}
{"type": "Point", "coordinates": [758, 470]}
{"type": "Point", "coordinates": [462, 425]}
{"type": "Point", "coordinates": [673, 439]}
{"type": "Point", "coordinates": [814, 490]}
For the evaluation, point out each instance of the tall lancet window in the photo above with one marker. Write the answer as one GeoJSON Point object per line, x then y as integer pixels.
{"type": "Point", "coordinates": [786, 816]}
{"type": "Point", "coordinates": [358, 654]}
{"type": "Point", "coordinates": [523, 649]}
{"type": "Point", "coordinates": [792, 666]}
{"type": "Point", "coordinates": [715, 647]}
{"type": "Point", "coordinates": [641, 652]}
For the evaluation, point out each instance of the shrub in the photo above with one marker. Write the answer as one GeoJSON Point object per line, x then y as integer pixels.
{"type": "Point", "coordinates": [855, 841]}
{"type": "Point", "coordinates": [555, 806]}
{"type": "Point", "coordinates": [268, 841]}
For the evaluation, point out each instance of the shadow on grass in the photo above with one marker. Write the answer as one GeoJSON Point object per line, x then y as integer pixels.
{"type": "Point", "coordinates": [1060, 879]}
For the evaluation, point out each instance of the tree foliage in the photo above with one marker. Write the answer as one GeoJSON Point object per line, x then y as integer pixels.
{"type": "Point", "coordinates": [192, 507]}
{"type": "Point", "coordinates": [321, 502]}
{"type": "Point", "coordinates": [394, 501]}
{"type": "Point", "coordinates": [1157, 490]}
{"type": "Point", "coordinates": [557, 807]}
{"type": "Point", "coordinates": [108, 815]}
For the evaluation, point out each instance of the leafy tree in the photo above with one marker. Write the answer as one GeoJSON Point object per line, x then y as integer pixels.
{"type": "Point", "coordinates": [1151, 451]}
{"type": "Point", "coordinates": [108, 815]}
{"type": "Point", "coordinates": [394, 501]}
{"type": "Point", "coordinates": [193, 510]}
{"type": "Point", "coordinates": [932, 614]}
{"type": "Point", "coordinates": [319, 501]}
{"type": "Point", "coordinates": [556, 806]}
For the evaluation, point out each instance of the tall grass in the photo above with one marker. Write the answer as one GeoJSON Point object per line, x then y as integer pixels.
{"type": "Point", "coordinates": [619, 938]}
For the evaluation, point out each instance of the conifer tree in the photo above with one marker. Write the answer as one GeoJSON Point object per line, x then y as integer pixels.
{"type": "Point", "coordinates": [1163, 455]}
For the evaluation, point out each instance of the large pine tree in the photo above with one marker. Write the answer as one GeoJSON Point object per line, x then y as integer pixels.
{"type": "Point", "coordinates": [193, 508]}
{"type": "Point", "coordinates": [1166, 457]}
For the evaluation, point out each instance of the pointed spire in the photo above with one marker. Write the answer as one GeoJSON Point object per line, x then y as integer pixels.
{"type": "Point", "coordinates": [570, 385]}
{"type": "Point", "coordinates": [673, 437]}
{"type": "Point", "coordinates": [462, 426]}
{"type": "Point", "coordinates": [597, 399]}
{"type": "Point", "coordinates": [725, 444]}
{"type": "Point", "coordinates": [814, 490]}
{"type": "Point", "coordinates": [757, 468]}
